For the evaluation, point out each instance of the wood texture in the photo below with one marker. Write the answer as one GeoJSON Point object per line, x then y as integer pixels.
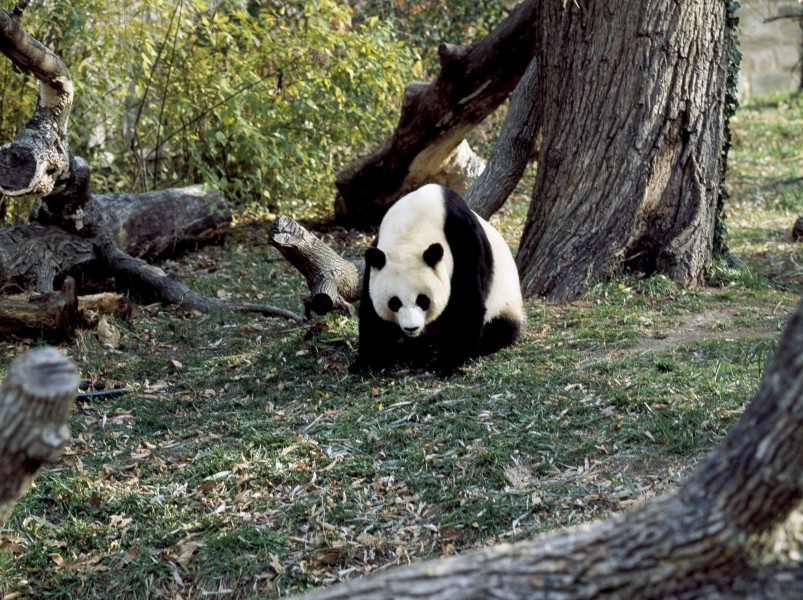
{"type": "Point", "coordinates": [714, 538]}
{"type": "Point", "coordinates": [435, 117]}
{"type": "Point", "coordinates": [114, 235]}
{"type": "Point", "coordinates": [334, 282]}
{"type": "Point", "coordinates": [51, 316]}
{"type": "Point", "coordinates": [35, 401]}
{"type": "Point", "coordinates": [629, 161]}
{"type": "Point", "coordinates": [161, 223]}
{"type": "Point", "coordinates": [149, 225]}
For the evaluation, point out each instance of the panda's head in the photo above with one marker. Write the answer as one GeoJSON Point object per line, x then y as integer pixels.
{"type": "Point", "coordinates": [409, 288]}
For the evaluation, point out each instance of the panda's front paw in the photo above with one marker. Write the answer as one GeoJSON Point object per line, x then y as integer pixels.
{"type": "Point", "coordinates": [446, 370]}
{"type": "Point", "coordinates": [358, 367]}
{"type": "Point", "coordinates": [362, 367]}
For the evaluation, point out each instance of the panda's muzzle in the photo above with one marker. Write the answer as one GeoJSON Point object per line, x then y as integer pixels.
{"type": "Point", "coordinates": [411, 320]}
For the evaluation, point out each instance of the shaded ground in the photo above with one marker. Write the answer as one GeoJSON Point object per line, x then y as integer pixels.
{"type": "Point", "coordinates": [248, 463]}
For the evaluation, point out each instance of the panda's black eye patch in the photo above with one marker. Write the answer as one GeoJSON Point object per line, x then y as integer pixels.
{"type": "Point", "coordinates": [394, 304]}
{"type": "Point", "coordinates": [422, 301]}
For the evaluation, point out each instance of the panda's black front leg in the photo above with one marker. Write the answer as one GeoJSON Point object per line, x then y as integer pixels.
{"type": "Point", "coordinates": [458, 343]}
{"type": "Point", "coordinates": [376, 349]}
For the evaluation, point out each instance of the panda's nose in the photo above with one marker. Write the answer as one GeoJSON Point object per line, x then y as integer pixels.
{"type": "Point", "coordinates": [412, 332]}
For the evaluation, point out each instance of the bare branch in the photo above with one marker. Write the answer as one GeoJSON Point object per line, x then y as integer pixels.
{"type": "Point", "coordinates": [152, 281]}
{"type": "Point", "coordinates": [786, 12]}
{"type": "Point", "coordinates": [38, 161]}
{"type": "Point", "coordinates": [512, 150]}
{"type": "Point", "coordinates": [333, 281]}
{"type": "Point", "coordinates": [436, 117]}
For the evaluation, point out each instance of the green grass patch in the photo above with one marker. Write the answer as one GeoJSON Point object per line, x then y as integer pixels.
{"type": "Point", "coordinates": [249, 463]}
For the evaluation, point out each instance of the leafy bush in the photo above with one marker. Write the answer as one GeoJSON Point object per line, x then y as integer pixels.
{"type": "Point", "coordinates": [426, 24]}
{"type": "Point", "coordinates": [265, 104]}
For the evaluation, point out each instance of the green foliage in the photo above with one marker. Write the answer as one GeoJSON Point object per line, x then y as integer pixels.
{"type": "Point", "coordinates": [264, 105]}
{"type": "Point", "coordinates": [422, 23]}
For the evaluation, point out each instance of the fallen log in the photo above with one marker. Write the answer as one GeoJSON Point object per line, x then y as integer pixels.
{"type": "Point", "coordinates": [50, 316]}
{"type": "Point", "coordinates": [115, 234]}
{"type": "Point", "coordinates": [35, 401]}
{"type": "Point", "coordinates": [334, 282]}
{"type": "Point", "coordinates": [159, 224]}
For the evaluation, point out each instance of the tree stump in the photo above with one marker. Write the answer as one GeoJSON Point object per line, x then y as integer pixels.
{"type": "Point", "coordinates": [35, 402]}
{"type": "Point", "coordinates": [797, 230]}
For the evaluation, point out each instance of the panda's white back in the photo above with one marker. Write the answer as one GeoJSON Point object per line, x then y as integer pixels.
{"type": "Point", "coordinates": [504, 293]}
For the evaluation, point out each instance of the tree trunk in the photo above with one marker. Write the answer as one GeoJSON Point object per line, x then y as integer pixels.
{"type": "Point", "coordinates": [435, 117]}
{"type": "Point", "coordinates": [629, 162]}
{"type": "Point", "coordinates": [714, 538]}
{"type": "Point", "coordinates": [35, 401]}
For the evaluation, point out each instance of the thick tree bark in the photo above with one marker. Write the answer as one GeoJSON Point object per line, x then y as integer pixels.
{"type": "Point", "coordinates": [714, 538]}
{"type": "Point", "coordinates": [35, 401]}
{"type": "Point", "coordinates": [435, 117]}
{"type": "Point", "coordinates": [629, 161]}
{"type": "Point", "coordinates": [162, 223]}
{"type": "Point", "coordinates": [513, 148]}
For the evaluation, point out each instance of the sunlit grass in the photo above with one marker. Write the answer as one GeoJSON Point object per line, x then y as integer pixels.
{"type": "Point", "coordinates": [248, 462]}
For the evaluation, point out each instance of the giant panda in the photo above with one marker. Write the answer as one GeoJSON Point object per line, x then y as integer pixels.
{"type": "Point", "coordinates": [440, 287]}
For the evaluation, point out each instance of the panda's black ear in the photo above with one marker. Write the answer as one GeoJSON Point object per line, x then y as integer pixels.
{"type": "Point", "coordinates": [374, 257]}
{"type": "Point", "coordinates": [433, 255]}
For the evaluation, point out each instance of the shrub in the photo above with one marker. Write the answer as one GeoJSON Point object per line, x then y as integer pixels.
{"type": "Point", "coordinates": [265, 104]}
